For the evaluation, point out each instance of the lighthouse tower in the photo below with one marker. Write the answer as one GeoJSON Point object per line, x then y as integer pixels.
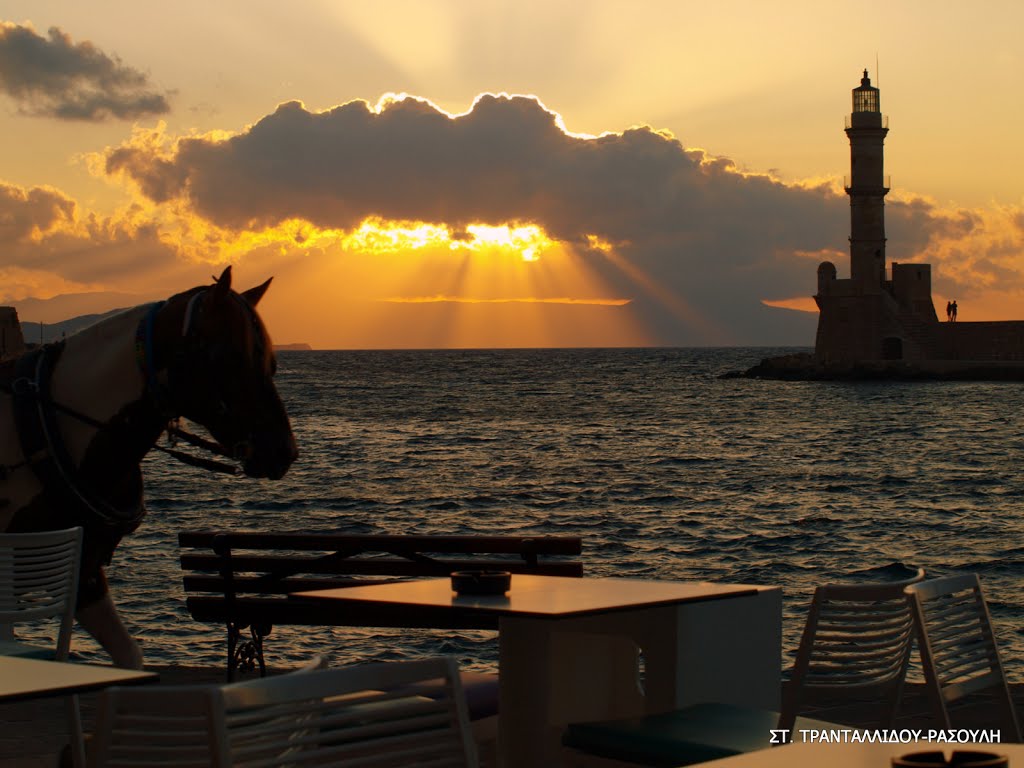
{"type": "Point", "coordinates": [867, 187]}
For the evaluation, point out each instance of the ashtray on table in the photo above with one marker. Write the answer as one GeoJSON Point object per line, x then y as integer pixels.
{"type": "Point", "coordinates": [959, 759]}
{"type": "Point", "coordinates": [481, 582]}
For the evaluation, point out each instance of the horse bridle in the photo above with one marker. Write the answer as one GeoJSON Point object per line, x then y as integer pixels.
{"type": "Point", "coordinates": [161, 391]}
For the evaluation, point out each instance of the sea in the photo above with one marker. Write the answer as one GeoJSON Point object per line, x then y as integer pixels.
{"type": "Point", "coordinates": [663, 467]}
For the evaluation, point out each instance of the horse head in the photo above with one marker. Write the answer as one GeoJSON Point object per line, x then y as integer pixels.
{"type": "Point", "coordinates": [212, 362]}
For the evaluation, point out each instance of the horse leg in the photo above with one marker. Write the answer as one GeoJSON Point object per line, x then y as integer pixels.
{"type": "Point", "coordinates": [101, 620]}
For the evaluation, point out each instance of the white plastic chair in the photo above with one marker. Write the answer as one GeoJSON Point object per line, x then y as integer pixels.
{"type": "Point", "coordinates": [856, 644]}
{"type": "Point", "coordinates": [362, 715]}
{"type": "Point", "coordinates": [358, 715]}
{"type": "Point", "coordinates": [958, 647]}
{"type": "Point", "coordinates": [38, 586]}
{"type": "Point", "coordinates": [38, 583]}
{"type": "Point", "coordinates": [178, 726]}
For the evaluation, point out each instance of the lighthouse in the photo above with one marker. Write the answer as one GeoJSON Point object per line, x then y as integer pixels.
{"type": "Point", "coordinates": [866, 128]}
{"type": "Point", "coordinates": [878, 313]}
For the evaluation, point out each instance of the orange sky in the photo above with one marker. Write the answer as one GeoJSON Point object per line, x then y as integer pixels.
{"type": "Point", "coordinates": [669, 173]}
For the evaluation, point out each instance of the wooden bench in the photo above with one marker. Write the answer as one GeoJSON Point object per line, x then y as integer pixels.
{"type": "Point", "coordinates": [242, 579]}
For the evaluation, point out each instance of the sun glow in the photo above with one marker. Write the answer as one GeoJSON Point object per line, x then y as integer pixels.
{"type": "Point", "coordinates": [599, 244]}
{"type": "Point", "coordinates": [514, 300]}
{"type": "Point", "coordinates": [376, 235]}
{"type": "Point", "coordinates": [201, 240]}
{"type": "Point", "coordinates": [380, 236]}
{"type": "Point", "coordinates": [529, 240]}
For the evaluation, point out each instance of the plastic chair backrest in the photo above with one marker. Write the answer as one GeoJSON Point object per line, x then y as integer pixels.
{"type": "Point", "coordinates": [178, 726]}
{"type": "Point", "coordinates": [38, 581]}
{"type": "Point", "coordinates": [358, 715]}
{"type": "Point", "coordinates": [958, 646]}
{"type": "Point", "coordinates": [856, 643]}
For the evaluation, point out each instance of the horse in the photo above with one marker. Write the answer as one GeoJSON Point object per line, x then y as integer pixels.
{"type": "Point", "coordinates": [78, 416]}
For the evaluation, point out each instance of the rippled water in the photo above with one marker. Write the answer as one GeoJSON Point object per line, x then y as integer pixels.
{"type": "Point", "coordinates": [665, 470]}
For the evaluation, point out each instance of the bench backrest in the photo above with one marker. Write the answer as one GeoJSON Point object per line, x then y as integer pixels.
{"type": "Point", "coordinates": [241, 562]}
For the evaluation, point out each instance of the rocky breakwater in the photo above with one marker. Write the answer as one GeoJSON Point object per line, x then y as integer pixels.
{"type": "Point", "coordinates": [806, 367]}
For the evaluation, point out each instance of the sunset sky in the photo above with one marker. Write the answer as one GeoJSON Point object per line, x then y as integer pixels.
{"type": "Point", "coordinates": [425, 173]}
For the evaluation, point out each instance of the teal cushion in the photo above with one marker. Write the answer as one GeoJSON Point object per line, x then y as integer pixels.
{"type": "Point", "coordinates": [691, 735]}
{"type": "Point", "coordinates": [686, 736]}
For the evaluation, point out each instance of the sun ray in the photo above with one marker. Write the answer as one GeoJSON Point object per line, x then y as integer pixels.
{"type": "Point", "coordinates": [681, 309]}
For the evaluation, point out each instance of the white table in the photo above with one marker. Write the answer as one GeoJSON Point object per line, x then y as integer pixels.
{"type": "Point", "coordinates": [853, 755]}
{"type": "Point", "coordinates": [568, 648]}
{"type": "Point", "coordinates": [22, 679]}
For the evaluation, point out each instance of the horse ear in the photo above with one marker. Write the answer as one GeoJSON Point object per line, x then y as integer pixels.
{"type": "Point", "coordinates": [223, 285]}
{"type": "Point", "coordinates": [253, 295]}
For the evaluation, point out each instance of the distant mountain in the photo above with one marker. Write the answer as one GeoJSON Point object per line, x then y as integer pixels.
{"type": "Point", "coordinates": [299, 347]}
{"type": "Point", "coordinates": [43, 333]}
{"type": "Point", "coordinates": [36, 333]}
{"type": "Point", "coordinates": [74, 305]}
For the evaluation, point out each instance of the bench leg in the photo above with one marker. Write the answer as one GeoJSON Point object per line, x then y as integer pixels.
{"type": "Point", "coordinates": [258, 632]}
{"type": "Point", "coordinates": [245, 655]}
{"type": "Point", "coordinates": [232, 663]}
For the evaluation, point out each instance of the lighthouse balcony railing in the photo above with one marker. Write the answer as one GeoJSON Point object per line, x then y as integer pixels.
{"type": "Point", "coordinates": [849, 185]}
{"type": "Point", "coordinates": [856, 120]}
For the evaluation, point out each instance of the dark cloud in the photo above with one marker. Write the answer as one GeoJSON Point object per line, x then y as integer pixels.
{"type": "Point", "coordinates": [505, 160]}
{"type": "Point", "coordinates": [41, 231]}
{"type": "Point", "coordinates": [24, 213]}
{"type": "Point", "coordinates": [55, 77]}
{"type": "Point", "coordinates": [720, 240]}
